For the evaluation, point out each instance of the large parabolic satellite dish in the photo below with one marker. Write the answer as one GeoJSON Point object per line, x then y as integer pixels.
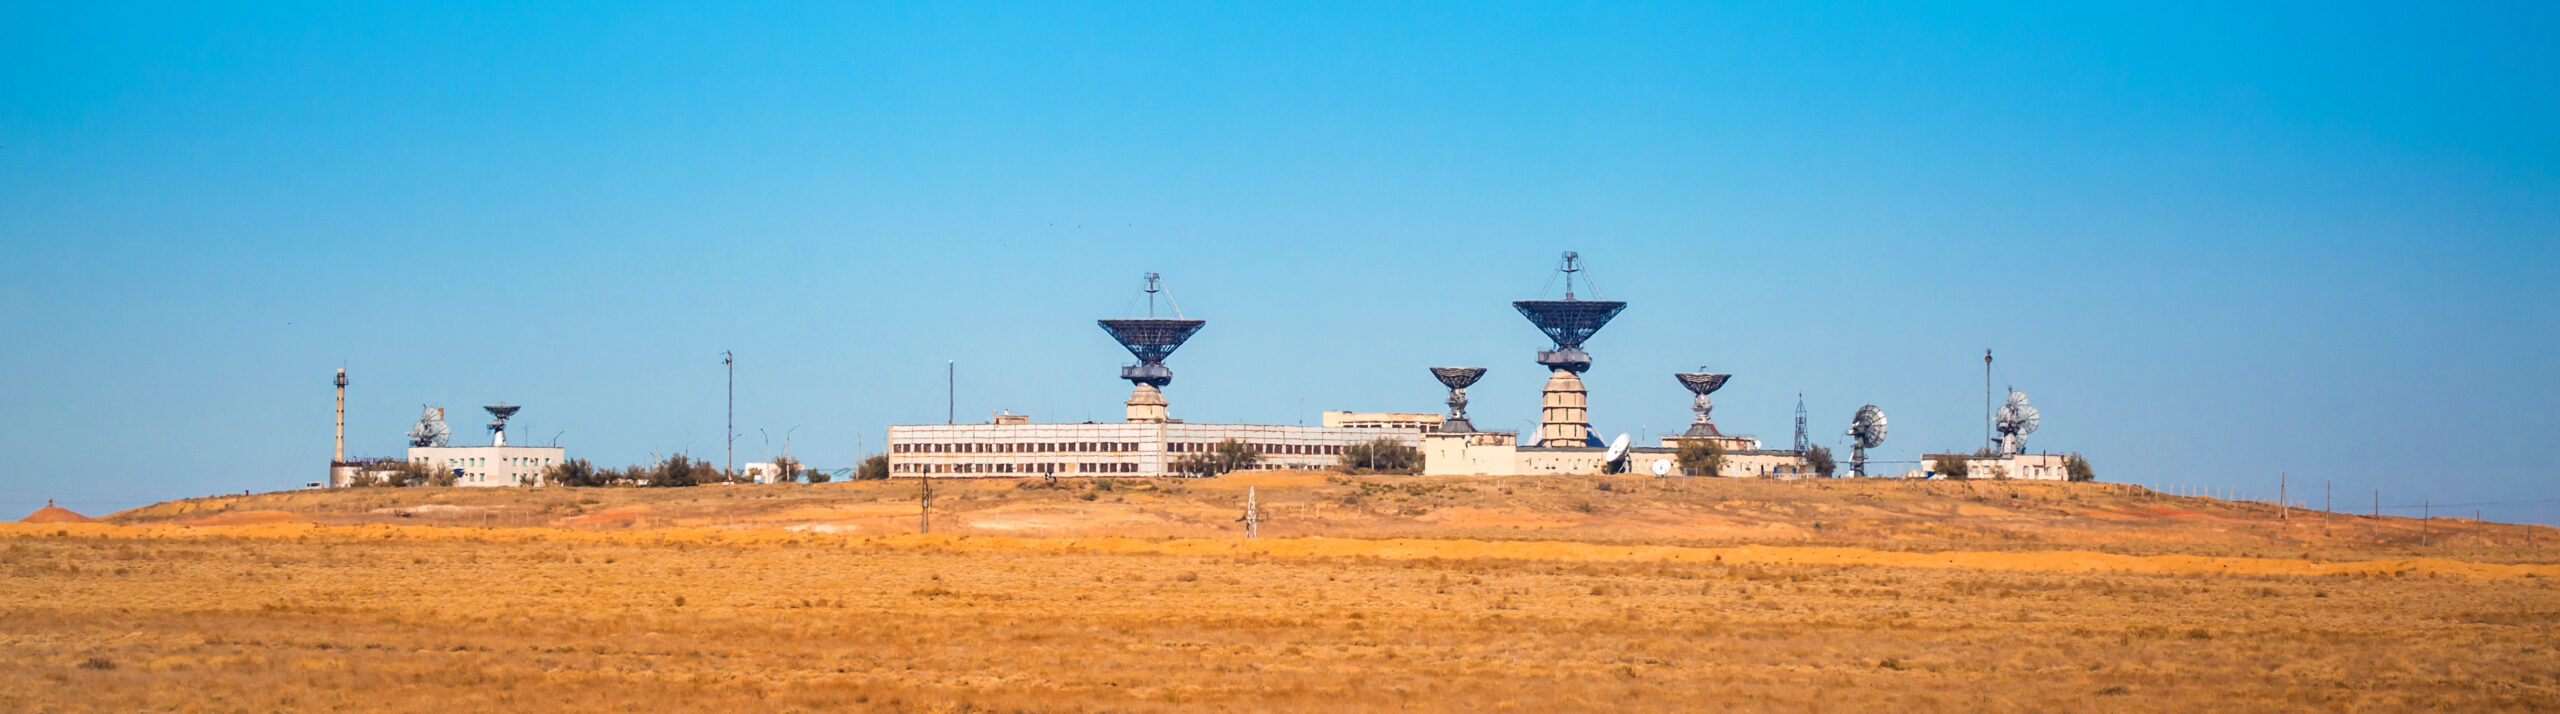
{"type": "Point", "coordinates": [2016, 420]}
{"type": "Point", "coordinates": [1866, 431]}
{"type": "Point", "coordinates": [430, 430]}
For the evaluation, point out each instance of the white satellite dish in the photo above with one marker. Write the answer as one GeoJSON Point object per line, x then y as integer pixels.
{"type": "Point", "coordinates": [1661, 467]}
{"type": "Point", "coordinates": [1617, 450]}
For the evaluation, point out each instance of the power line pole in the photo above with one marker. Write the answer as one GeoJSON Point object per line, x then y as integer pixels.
{"type": "Point", "coordinates": [950, 403]}
{"type": "Point", "coordinates": [1986, 397]}
{"type": "Point", "coordinates": [2284, 506]}
{"type": "Point", "coordinates": [730, 361]}
{"type": "Point", "coordinates": [924, 505]}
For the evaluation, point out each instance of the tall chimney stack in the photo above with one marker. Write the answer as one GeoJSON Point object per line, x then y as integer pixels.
{"type": "Point", "coordinates": [340, 453]}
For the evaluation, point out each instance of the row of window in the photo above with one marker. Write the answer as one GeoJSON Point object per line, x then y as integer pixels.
{"type": "Point", "coordinates": [1197, 447]}
{"type": "Point", "coordinates": [1068, 468]}
{"type": "Point", "coordinates": [1014, 448]}
{"type": "Point", "coordinates": [483, 461]}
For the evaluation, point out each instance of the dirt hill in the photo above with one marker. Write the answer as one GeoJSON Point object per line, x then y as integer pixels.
{"type": "Point", "coordinates": [1893, 514]}
{"type": "Point", "coordinates": [54, 514]}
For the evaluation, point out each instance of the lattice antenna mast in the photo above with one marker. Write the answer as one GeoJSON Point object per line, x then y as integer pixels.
{"type": "Point", "coordinates": [1803, 444]}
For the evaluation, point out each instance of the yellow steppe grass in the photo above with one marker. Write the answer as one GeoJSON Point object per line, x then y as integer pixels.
{"type": "Point", "coordinates": [296, 616]}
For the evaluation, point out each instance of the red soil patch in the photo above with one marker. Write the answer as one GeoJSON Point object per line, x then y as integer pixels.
{"type": "Point", "coordinates": [54, 514]}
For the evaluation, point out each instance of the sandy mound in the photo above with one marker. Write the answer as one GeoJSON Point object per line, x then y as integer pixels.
{"type": "Point", "coordinates": [54, 514]}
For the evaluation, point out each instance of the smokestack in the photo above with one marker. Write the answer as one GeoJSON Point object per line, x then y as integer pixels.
{"type": "Point", "coordinates": [340, 453]}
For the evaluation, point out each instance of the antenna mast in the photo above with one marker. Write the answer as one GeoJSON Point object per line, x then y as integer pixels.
{"type": "Point", "coordinates": [728, 360]}
{"type": "Point", "coordinates": [1986, 398]}
{"type": "Point", "coordinates": [1803, 444]}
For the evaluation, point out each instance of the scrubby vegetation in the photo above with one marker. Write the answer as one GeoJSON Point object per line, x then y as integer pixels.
{"type": "Point", "coordinates": [1223, 457]}
{"type": "Point", "coordinates": [1381, 456]}
{"type": "Point", "coordinates": [422, 619]}
{"type": "Point", "coordinates": [1954, 466]}
{"type": "Point", "coordinates": [1701, 458]}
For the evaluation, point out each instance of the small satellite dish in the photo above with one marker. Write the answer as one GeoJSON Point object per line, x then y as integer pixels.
{"type": "Point", "coordinates": [1661, 467]}
{"type": "Point", "coordinates": [1617, 449]}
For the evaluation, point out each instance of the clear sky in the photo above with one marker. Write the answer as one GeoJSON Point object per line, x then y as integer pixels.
{"type": "Point", "coordinates": [2215, 242]}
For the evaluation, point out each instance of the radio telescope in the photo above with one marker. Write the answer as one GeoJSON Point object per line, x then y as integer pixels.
{"type": "Point", "coordinates": [1613, 460]}
{"type": "Point", "coordinates": [2016, 420]}
{"type": "Point", "coordinates": [1151, 340]}
{"type": "Point", "coordinates": [1866, 430]}
{"type": "Point", "coordinates": [498, 416]}
{"type": "Point", "coordinates": [1702, 383]}
{"type": "Point", "coordinates": [431, 430]}
{"type": "Point", "coordinates": [1564, 414]}
{"type": "Point", "coordinates": [1457, 379]}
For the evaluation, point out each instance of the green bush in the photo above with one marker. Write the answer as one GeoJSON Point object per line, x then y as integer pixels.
{"type": "Point", "coordinates": [2078, 469]}
{"type": "Point", "coordinates": [1381, 456]}
{"type": "Point", "coordinates": [1817, 461]}
{"type": "Point", "coordinates": [1954, 466]}
{"type": "Point", "coordinates": [873, 469]}
{"type": "Point", "coordinates": [1701, 458]}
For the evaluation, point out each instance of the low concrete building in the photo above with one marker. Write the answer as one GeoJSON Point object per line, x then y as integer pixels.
{"type": "Point", "coordinates": [1500, 454]}
{"type": "Point", "coordinates": [489, 465]}
{"type": "Point", "coordinates": [1111, 450]}
{"type": "Point", "coordinates": [2030, 467]}
{"type": "Point", "coordinates": [1413, 421]}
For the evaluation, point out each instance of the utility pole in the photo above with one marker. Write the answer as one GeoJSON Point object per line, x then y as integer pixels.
{"type": "Point", "coordinates": [730, 361]}
{"type": "Point", "coordinates": [2426, 517]}
{"type": "Point", "coordinates": [2284, 505]}
{"type": "Point", "coordinates": [1986, 397]}
{"type": "Point", "coordinates": [924, 506]}
{"type": "Point", "coordinates": [950, 403]}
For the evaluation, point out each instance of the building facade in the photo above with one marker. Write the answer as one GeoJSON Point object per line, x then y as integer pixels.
{"type": "Point", "coordinates": [489, 466]}
{"type": "Point", "coordinates": [2030, 467]}
{"type": "Point", "coordinates": [1111, 450]}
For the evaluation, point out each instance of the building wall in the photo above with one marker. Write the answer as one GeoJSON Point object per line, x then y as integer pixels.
{"type": "Point", "coordinates": [489, 466]}
{"type": "Point", "coordinates": [1478, 454]}
{"type": "Point", "coordinates": [2031, 467]}
{"type": "Point", "coordinates": [1498, 454]}
{"type": "Point", "coordinates": [1110, 450]}
{"type": "Point", "coordinates": [1416, 421]}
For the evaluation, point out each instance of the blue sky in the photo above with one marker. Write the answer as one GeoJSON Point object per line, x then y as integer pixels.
{"type": "Point", "coordinates": [2215, 241]}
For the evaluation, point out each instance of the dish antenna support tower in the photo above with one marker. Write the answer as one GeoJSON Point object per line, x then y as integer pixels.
{"type": "Point", "coordinates": [1565, 409]}
{"type": "Point", "coordinates": [1866, 431]}
{"type": "Point", "coordinates": [498, 416]}
{"type": "Point", "coordinates": [1457, 379]}
{"type": "Point", "coordinates": [1151, 340]}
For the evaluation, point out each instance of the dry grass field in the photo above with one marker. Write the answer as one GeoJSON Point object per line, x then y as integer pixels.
{"type": "Point", "coordinates": [1555, 596]}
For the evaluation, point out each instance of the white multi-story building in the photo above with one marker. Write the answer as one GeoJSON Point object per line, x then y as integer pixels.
{"type": "Point", "coordinates": [1015, 447]}
{"type": "Point", "coordinates": [488, 465]}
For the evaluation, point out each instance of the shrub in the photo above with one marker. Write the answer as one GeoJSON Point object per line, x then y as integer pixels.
{"type": "Point", "coordinates": [679, 471]}
{"type": "Point", "coordinates": [1701, 458]}
{"type": "Point", "coordinates": [1381, 456]}
{"type": "Point", "coordinates": [575, 473]}
{"type": "Point", "coordinates": [873, 469]}
{"type": "Point", "coordinates": [786, 469]}
{"type": "Point", "coordinates": [1954, 466]}
{"type": "Point", "coordinates": [2078, 469]}
{"type": "Point", "coordinates": [1817, 461]}
{"type": "Point", "coordinates": [1225, 456]}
